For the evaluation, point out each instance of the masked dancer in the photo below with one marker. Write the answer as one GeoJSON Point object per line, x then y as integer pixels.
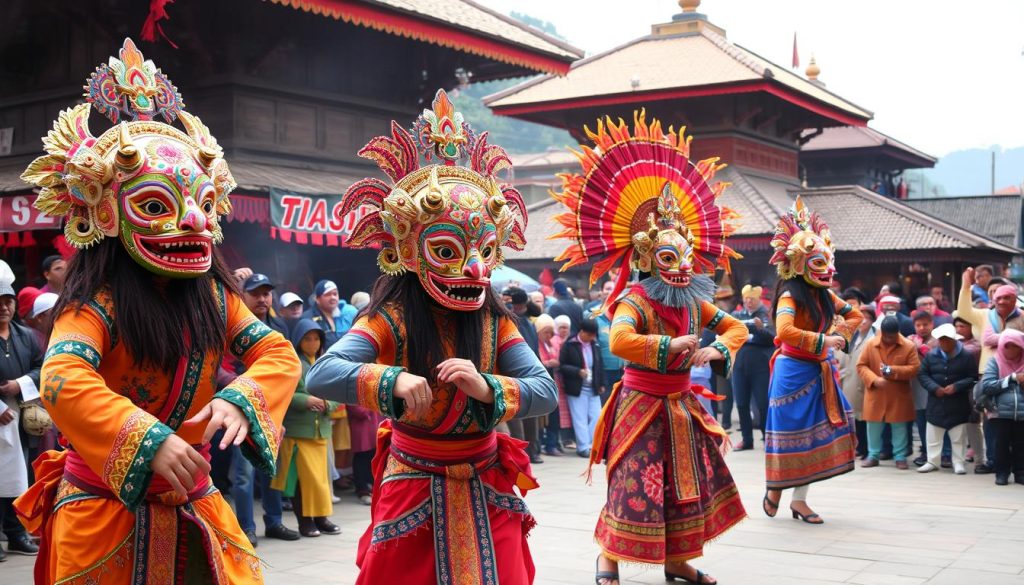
{"type": "Point", "coordinates": [641, 203]}
{"type": "Point", "coordinates": [810, 435]}
{"type": "Point", "coordinates": [438, 355]}
{"type": "Point", "coordinates": [147, 312]}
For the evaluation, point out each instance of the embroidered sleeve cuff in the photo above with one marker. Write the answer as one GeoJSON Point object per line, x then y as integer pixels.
{"type": "Point", "coordinates": [246, 335]}
{"type": "Point", "coordinates": [726, 355]}
{"type": "Point", "coordinates": [128, 470]}
{"type": "Point", "coordinates": [662, 353]}
{"type": "Point", "coordinates": [261, 444]}
{"type": "Point", "coordinates": [375, 388]}
{"type": "Point", "coordinates": [506, 402]}
{"type": "Point", "coordinates": [819, 343]}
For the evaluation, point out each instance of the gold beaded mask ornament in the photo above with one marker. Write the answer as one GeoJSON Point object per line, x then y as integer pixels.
{"type": "Point", "coordinates": [159, 189]}
{"type": "Point", "coordinates": [445, 222]}
{"type": "Point", "coordinates": [803, 247]}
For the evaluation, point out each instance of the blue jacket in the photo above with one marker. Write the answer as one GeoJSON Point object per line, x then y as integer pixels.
{"type": "Point", "coordinates": [343, 320]}
{"type": "Point", "coordinates": [1007, 398]}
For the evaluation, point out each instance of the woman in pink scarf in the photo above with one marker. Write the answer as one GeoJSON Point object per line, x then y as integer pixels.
{"type": "Point", "coordinates": [1001, 385]}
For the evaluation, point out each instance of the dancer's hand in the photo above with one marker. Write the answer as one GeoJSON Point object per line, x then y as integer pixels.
{"type": "Point", "coordinates": [222, 415]}
{"type": "Point", "coordinates": [415, 391]}
{"type": "Point", "coordinates": [682, 344]}
{"type": "Point", "coordinates": [467, 379]}
{"type": "Point", "coordinates": [178, 463]}
{"type": "Point", "coordinates": [835, 342]}
{"type": "Point", "coordinates": [705, 355]}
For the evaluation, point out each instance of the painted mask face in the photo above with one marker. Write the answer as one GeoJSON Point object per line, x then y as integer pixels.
{"type": "Point", "coordinates": [672, 259]}
{"type": "Point", "coordinates": [454, 242]}
{"type": "Point", "coordinates": [819, 265]}
{"type": "Point", "coordinates": [168, 210]}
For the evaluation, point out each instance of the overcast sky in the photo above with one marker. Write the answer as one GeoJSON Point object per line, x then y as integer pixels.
{"type": "Point", "coordinates": [941, 75]}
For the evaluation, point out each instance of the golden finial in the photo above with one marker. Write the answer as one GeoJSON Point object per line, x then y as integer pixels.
{"type": "Point", "coordinates": [689, 5]}
{"type": "Point", "coordinates": [813, 70]}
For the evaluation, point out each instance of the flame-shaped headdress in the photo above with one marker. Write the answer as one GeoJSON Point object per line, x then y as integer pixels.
{"type": "Point", "coordinates": [635, 189]}
{"type": "Point", "coordinates": [803, 246]}
{"type": "Point", "coordinates": [444, 221]}
{"type": "Point", "coordinates": [85, 180]}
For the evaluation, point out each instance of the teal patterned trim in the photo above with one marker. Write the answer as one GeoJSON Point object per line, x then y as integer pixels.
{"type": "Point", "coordinates": [107, 318]}
{"type": "Point", "coordinates": [257, 446]}
{"type": "Point", "coordinates": [222, 300]}
{"type": "Point", "coordinates": [663, 343]}
{"type": "Point", "coordinates": [786, 311]}
{"type": "Point", "coordinates": [624, 319]}
{"type": "Point", "coordinates": [716, 319]}
{"type": "Point", "coordinates": [73, 498]}
{"type": "Point", "coordinates": [819, 345]}
{"type": "Point", "coordinates": [249, 337]}
{"type": "Point", "coordinates": [136, 480]}
{"type": "Point", "coordinates": [189, 384]}
{"type": "Point", "coordinates": [727, 364]}
{"type": "Point", "coordinates": [845, 310]}
{"type": "Point", "coordinates": [78, 349]}
{"type": "Point", "coordinates": [640, 311]}
{"type": "Point", "coordinates": [386, 392]}
{"type": "Point", "coordinates": [488, 416]}
{"type": "Point", "coordinates": [396, 332]}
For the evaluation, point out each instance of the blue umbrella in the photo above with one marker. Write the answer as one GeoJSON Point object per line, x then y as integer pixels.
{"type": "Point", "coordinates": [504, 276]}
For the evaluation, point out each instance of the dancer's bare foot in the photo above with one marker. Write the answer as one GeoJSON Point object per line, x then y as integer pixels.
{"type": "Point", "coordinates": [688, 573]}
{"type": "Point", "coordinates": [607, 571]}
{"type": "Point", "coordinates": [804, 512]}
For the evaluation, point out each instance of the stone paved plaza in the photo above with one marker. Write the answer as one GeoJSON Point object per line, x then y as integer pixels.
{"type": "Point", "coordinates": [883, 527]}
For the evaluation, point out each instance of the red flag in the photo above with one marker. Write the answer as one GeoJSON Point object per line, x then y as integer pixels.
{"type": "Point", "coordinates": [796, 55]}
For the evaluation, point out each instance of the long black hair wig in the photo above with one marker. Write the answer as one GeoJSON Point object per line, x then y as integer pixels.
{"type": "Point", "coordinates": [423, 340]}
{"type": "Point", "coordinates": [158, 320]}
{"type": "Point", "coordinates": [815, 299]}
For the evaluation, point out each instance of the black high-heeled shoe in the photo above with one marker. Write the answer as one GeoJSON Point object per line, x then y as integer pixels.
{"type": "Point", "coordinates": [600, 575]}
{"type": "Point", "coordinates": [700, 578]}
{"type": "Point", "coordinates": [810, 518]}
{"type": "Point", "coordinates": [768, 503]}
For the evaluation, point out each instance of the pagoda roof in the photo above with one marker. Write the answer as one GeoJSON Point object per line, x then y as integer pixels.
{"type": "Point", "coordinates": [673, 66]}
{"type": "Point", "coordinates": [995, 216]}
{"type": "Point", "coordinates": [462, 25]}
{"type": "Point", "coordinates": [847, 138]}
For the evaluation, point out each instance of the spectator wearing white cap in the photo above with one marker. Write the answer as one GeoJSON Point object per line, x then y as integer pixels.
{"type": "Point", "coordinates": [949, 374]}
{"type": "Point", "coordinates": [360, 299]}
{"type": "Point", "coordinates": [291, 306]}
{"type": "Point", "coordinates": [40, 318]}
{"type": "Point", "coordinates": [333, 314]}
{"type": "Point", "coordinates": [889, 306]}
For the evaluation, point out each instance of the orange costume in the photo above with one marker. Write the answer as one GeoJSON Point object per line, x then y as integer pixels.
{"type": "Point", "coordinates": [641, 203]}
{"type": "Point", "coordinates": [102, 513]}
{"type": "Point", "coordinates": [659, 428]}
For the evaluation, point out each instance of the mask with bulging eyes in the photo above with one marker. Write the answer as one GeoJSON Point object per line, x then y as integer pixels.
{"type": "Point", "coordinates": [672, 259]}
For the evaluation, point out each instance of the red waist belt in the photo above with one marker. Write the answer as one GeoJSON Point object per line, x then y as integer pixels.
{"type": "Point", "coordinates": [78, 474]}
{"type": "Point", "coordinates": [663, 385]}
{"type": "Point", "coordinates": [456, 456]}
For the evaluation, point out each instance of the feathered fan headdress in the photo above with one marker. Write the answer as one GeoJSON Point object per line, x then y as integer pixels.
{"type": "Point", "coordinates": [797, 235]}
{"type": "Point", "coordinates": [628, 182]}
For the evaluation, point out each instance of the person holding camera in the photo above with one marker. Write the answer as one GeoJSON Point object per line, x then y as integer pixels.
{"type": "Point", "coordinates": [887, 365]}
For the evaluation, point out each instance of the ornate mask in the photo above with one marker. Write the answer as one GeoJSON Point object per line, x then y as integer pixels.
{"type": "Point", "coordinates": [666, 248]}
{"type": "Point", "coordinates": [803, 247]}
{"type": "Point", "coordinates": [158, 189]}
{"type": "Point", "coordinates": [445, 222]}
{"type": "Point", "coordinates": [641, 202]}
